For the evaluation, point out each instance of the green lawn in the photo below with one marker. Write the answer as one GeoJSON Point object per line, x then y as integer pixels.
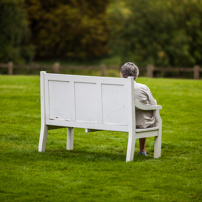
{"type": "Point", "coordinates": [96, 169]}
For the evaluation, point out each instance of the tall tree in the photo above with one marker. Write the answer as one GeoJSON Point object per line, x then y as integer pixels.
{"type": "Point", "coordinates": [164, 33]}
{"type": "Point", "coordinates": [75, 29]}
{"type": "Point", "coordinates": [14, 33]}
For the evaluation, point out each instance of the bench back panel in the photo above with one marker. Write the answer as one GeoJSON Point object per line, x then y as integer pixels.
{"type": "Point", "coordinates": [78, 100]}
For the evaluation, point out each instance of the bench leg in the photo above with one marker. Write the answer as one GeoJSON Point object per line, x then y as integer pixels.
{"type": "Point", "coordinates": [43, 137]}
{"type": "Point", "coordinates": [70, 138]}
{"type": "Point", "coordinates": [130, 148]}
{"type": "Point", "coordinates": [157, 146]}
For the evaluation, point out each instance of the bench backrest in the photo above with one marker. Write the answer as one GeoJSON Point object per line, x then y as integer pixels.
{"type": "Point", "coordinates": [88, 102]}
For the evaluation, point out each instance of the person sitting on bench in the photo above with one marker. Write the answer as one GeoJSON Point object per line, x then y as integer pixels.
{"type": "Point", "coordinates": [144, 119]}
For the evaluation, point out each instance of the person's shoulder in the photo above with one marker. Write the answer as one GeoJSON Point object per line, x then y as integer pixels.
{"type": "Point", "coordinates": [140, 86]}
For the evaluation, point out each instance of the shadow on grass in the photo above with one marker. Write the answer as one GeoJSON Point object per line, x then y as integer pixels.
{"type": "Point", "coordinates": [75, 156]}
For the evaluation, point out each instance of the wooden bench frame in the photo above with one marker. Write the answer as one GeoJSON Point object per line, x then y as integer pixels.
{"type": "Point", "coordinates": [93, 103]}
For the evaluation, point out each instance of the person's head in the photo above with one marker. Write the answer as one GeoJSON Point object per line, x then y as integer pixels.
{"type": "Point", "coordinates": [129, 69]}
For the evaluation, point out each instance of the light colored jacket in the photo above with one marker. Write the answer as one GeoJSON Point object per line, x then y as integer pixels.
{"type": "Point", "coordinates": [144, 119]}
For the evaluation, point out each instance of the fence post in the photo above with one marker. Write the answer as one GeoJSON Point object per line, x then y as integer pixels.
{"type": "Point", "coordinates": [56, 67]}
{"type": "Point", "coordinates": [196, 72]}
{"type": "Point", "coordinates": [10, 68]}
{"type": "Point", "coordinates": [104, 67]}
{"type": "Point", "coordinates": [150, 70]}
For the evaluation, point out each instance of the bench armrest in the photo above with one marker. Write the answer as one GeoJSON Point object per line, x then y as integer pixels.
{"type": "Point", "coordinates": [147, 107]}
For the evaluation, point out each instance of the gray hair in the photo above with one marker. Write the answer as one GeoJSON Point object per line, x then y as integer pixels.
{"type": "Point", "coordinates": [129, 69]}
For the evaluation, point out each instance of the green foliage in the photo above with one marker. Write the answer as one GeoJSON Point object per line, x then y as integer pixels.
{"type": "Point", "coordinates": [96, 169]}
{"type": "Point", "coordinates": [71, 29]}
{"type": "Point", "coordinates": [163, 33]}
{"type": "Point", "coordinates": [14, 33]}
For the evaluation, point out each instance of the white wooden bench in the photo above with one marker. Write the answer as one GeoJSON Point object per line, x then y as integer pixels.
{"type": "Point", "coordinates": [93, 103]}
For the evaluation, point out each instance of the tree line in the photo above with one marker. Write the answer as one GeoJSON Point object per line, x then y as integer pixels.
{"type": "Point", "coordinates": [162, 33]}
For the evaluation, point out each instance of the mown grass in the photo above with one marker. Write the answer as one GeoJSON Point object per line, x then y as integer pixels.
{"type": "Point", "coordinates": [96, 169]}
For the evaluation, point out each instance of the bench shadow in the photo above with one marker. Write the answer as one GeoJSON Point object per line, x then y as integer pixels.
{"type": "Point", "coordinates": [76, 156]}
{"type": "Point", "coordinates": [93, 156]}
